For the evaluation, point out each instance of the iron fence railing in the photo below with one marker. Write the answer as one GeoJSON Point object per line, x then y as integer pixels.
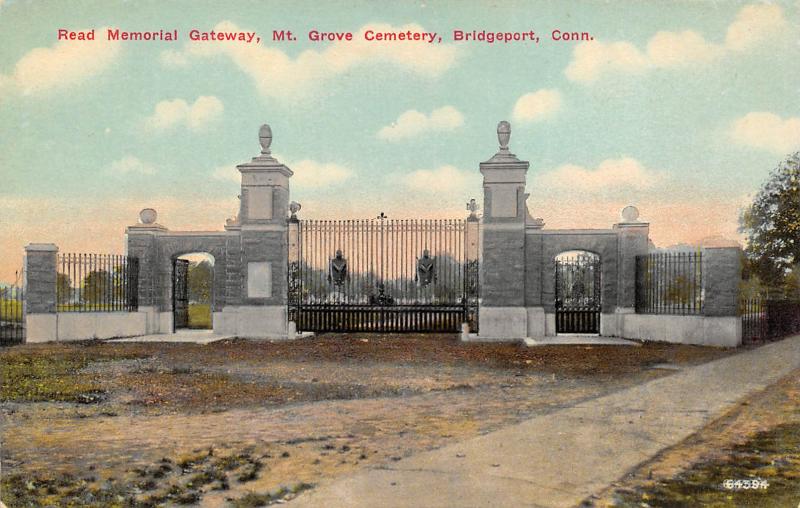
{"type": "Point", "coordinates": [669, 283]}
{"type": "Point", "coordinates": [765, 319]}
{"type": "Point", "coordinates": [97, 283]}
{"type": "Point", "coordinates": [12, 314]}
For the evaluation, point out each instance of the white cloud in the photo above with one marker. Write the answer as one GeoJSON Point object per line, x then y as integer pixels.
{"type": "Point", "coordinates": [413, 123]}
{"type": "Point", "coordinates": [767, 131]}
{"type": "Point", "coordinates": [173, 58]}
{"type": "Point", "coordinates": [131, 164]}
{"type": "Point", "coordinates": [611, 174]}
{"type": "Point", "coordinates": [444, 178]}
{"type": "Point", "coordinates": [61, 66]}
{"type": "Point", "coordinates": [538, 105]}
{"type": "Point", "coordinates": [177, 112]}
{"type": "Point", "coordinates": [307, 173]}
{"type": "Point", "coordinates": [227, 172]}
{"type": "Point", "coordinates": [753, 25]}
{"type": "Point", "coordinates": [276, 74]}
{"type": "Point", "coordinates": [676, 49]}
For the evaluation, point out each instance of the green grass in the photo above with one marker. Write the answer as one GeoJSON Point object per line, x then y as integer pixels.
{"type": "Point", "coordinates": [773, 456]}
{"type": "Point", "coordinates": [11, 310]}
{"type": "Point", "coordinates": [40, 375]}
{"type": "Point", "coordinates": [199, 315]}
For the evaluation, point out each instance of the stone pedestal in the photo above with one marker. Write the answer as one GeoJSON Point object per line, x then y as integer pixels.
{"type": "Point", "coordinates": [502, 269]}
{"type": "Point", "coordinates": [41, 321]}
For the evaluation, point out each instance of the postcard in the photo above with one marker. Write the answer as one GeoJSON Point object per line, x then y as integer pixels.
{"type": "Point", "coordinates": [423, 253]}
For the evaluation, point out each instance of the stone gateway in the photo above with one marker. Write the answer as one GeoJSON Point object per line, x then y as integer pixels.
{"type": "Point", "coordinates": [499, 277]}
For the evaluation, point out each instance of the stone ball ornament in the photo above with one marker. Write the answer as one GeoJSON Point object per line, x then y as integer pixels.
{"type": "Point", "coordinates": [265, 138]}
{"type": "Point", "coordinates": [503, 134]}
{"type": "Point", "coordinates": [630, 214]}
{"type": "Point", "coordinates": [148, 216]}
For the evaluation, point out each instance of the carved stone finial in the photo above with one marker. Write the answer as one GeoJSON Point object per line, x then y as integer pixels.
{"type": "Point", "coordinates": [473, 207]}
{"type": "Point", "coordinates": [294, 207]}
{"type": "Point", "coordinates": [148, 216]}
{"type": "Point", "coordinates": [265, 138]}
{"type": "Point", "coordinates": [503, 134]}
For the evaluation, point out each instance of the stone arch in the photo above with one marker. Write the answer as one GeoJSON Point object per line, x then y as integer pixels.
{"type": "Point", "coordinates": [174, 245]}
{"type": "Point", "coordinates": [198, 314]}
{"type": "Point", "coordinates": [601, 243]}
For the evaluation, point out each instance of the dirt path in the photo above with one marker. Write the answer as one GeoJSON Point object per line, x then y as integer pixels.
{"type": "Point", "coordinates": [212, 423]}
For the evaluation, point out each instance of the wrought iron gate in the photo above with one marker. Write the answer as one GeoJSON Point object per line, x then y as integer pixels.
{"type": "Point", "coordinates": [578, 293]}
{"type": "Point", "coordinates": [382, 275]}
{"type": "Point", "coordinates": [180, 294]}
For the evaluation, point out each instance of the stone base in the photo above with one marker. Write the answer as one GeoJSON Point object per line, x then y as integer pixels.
{"type": "Point", "coordinates": [253, 322]}
{"type": "Point", "coordinates": [698, 330]}
{"type": "Point", "coordinates": [500, 324]}
{"type": "Point", "coordinates": [536, 322]}
{"type": "Point", "coordinates": [41, 328]}
{"type": "Point", "coordinates": [100, 325]}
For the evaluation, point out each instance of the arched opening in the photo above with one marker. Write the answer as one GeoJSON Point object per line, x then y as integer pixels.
{"type": "Point", "coordinates": [193, 291]}
{"type": "Point", "coordinates": [577, 292]}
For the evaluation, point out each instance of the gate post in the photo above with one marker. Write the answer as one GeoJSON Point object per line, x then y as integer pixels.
{"type": "Point", "coordinates": [41, 319]}
{"type": "Point", "coordinates": [722, 275]}
{"type": "Point", "coordinates": [141, 241]}
{"type": "Point", "coordinates": [502, 311]}
{"type": "Point", "coordinates": [261, 310]}
{"type": "Point", "coordinates": [632, 240]}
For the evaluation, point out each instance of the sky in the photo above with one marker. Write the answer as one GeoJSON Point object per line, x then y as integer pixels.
{"type": "Point", "coordinates": [680, 108]}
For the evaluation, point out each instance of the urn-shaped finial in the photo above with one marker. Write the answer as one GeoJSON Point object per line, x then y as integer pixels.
{"type": "Point", "coordinates": [265, 138]}
{"type": "Point", "coordinates": [503, 134]}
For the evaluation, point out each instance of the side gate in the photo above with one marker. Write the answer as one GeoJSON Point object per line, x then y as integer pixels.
{"type": "Point", "coordinates": [382, 275]}
{"type": "Point", "coordinates": [577, 281]}
{"type": "Point", "coordinates": [180, 294]}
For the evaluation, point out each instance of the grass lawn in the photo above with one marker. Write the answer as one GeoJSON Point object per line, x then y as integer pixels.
{"type": "Point", "coordinates": [199, 315]}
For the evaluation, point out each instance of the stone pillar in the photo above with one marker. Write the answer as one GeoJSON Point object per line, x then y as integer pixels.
{"type": "Point", "coordinates": [141, 241]}
{"type": "Point", "coordinates": [502, 306]}
{"type": "Point", "coordinates": [722, 274]}
{"type": "Point", "coordinates": [41, 319]}
{"type": "Point", "coordinates": [262, 223]}
{"type": "Point", "coordinates": [633, 240]}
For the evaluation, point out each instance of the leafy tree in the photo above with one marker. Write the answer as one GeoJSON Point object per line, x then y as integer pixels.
{"type": "Point", "coordinates": [63, 288]}
{"type": "Point", "coordinates": [772, 225]}
{"type": "Point", "coordinates": [200, 279]}
{"type": "Point", "coordinates": [97, 286]}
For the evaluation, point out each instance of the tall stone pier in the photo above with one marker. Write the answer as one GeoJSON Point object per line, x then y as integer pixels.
{"type": "Point", "coordinates": [261, 250]}
{"type": "Point", "coordinates": [249, 295]}
{"type": "Point", "coordinates": [502, 270]}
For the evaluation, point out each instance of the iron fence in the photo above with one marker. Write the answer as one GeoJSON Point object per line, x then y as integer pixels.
{"type": "Point", "coordinates": [97, 283]}
{"type": "Point", "coordinates": [12, 314]}
{"type": "Point", "coordinates": [384, 275]}
{"type": "Point", "coordinates": [669, 283]}
{"type": "Point", "coordinates": [766, 319]}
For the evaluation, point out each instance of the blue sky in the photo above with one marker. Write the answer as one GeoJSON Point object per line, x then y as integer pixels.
{"type": "Point", "coordinates": [679, 108]}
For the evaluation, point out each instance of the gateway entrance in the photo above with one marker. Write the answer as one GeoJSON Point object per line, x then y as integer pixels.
{"type": "Point", "coordinates": [577, 282]}
{"type": "Point", "coordinates": [382, 275]}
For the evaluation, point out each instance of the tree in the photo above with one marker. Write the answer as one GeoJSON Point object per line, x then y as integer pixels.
{"type": "Point", "coordinates": [772, 225]}
{"type": "Point", "coordinates": [199, 279]}
{"type": "Point", "coordinates": [63, 288]}
{"type": "Point", "coordinates": [97, 287]}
